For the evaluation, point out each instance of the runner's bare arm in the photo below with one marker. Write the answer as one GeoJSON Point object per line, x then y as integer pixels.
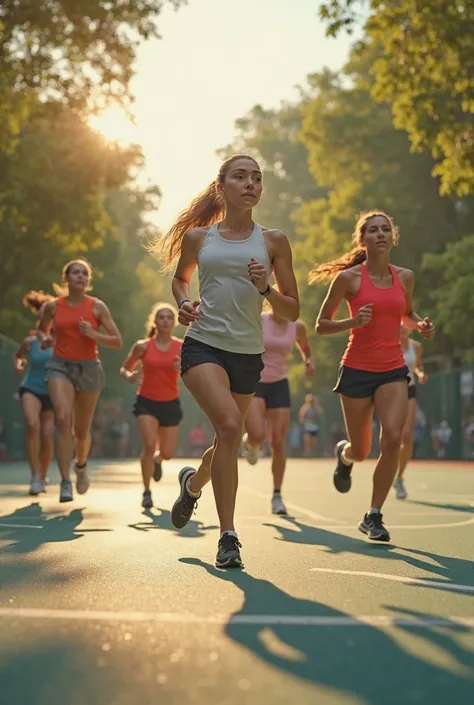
{"type": "Point", "coordinates": [112, 338]}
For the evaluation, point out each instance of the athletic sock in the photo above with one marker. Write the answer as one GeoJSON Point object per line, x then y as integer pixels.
{"type": "Point", "coordinates": [192, 494]}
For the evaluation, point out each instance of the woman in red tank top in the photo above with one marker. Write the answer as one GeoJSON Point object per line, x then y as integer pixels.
{"type": "Point", "coordinates": [74, 373]}
{"type": "Point", "coordinates": [157, 406]}
{"type": "Point", "coordinates": [373, 374]}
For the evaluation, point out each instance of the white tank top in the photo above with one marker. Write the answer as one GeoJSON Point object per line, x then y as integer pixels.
{"type": "Point", "coordinates": [409, 355]}
{"type": "Point", "coordinates": [229, 315]}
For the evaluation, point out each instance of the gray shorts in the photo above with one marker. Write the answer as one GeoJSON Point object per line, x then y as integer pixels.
{"type": "Point", "coordinates": [84, 375]}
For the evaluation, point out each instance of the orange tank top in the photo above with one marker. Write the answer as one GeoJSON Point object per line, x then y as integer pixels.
{"type": "Point", "coordinates": [160, 380]}
{"type": "Point", "coordinates": [69, 342]}
{"type": "Point", "coordinates": [376, 347]}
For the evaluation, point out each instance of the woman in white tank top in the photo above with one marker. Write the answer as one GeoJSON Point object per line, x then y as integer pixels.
{"type": "Point", "coordinates": [221, 357]}
{"type": "Point", "coordinates": [412, 353]}
{"type": "Point", "coordinates": [272, 403]}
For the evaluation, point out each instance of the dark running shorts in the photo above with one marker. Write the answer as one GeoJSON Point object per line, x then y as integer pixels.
{"type": "Point", "coordinates": [46, 403]}
{"type": "Point", "coordinates": [167, 413]}
{"type": "Point", "coordinates": [361, 384]}
{"type": "Point", "coordinates": [243, 370]}
{"type": "Point", "coordinates": [276, 395]}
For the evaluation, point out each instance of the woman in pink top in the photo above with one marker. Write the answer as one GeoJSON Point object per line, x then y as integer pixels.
{"type": "Point", "coordinates": [272, 398]}
{"type": "Point", "coordinates": [373, 373]}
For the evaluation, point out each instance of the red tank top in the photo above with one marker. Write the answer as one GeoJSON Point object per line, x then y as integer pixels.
{"type": "Point", "coordinates": [160, 378]}
{"type": "Point", "coordinates": [376, 346]}
{"type": "Point", "coordinates": [69, 342]}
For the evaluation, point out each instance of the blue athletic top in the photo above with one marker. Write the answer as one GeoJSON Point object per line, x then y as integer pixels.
{"type": "Point", "coordinates": [35, 377]}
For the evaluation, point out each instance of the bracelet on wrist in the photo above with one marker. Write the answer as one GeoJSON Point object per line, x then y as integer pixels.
{"type": "Point", "coordinates": [266, 292]}
{"type": "Point", "coordinates": [182, 301]}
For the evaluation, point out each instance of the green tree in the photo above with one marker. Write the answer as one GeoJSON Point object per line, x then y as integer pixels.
{"type": "Point", "coordinates": [425, 71]}
{"type": "Point", "coordinates": [76, 52]}
{"type": "Point", "coordinates": [52, 188]}
{"type": "Point", "coordinates": [453, 296]}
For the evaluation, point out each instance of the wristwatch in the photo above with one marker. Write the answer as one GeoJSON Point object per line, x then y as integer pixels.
{"type": "Point", "coordinates": [182, 301]}
{"type": "Point", "coordinates": [266, 292]}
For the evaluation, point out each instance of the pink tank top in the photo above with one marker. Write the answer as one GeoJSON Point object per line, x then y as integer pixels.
{"type": "Point", "coordinates": [278, 342]}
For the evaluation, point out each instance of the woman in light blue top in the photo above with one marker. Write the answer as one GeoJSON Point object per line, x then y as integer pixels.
{"type": "Point", "coordinates": [221, 357]}
{"type": "Point", "coordinates": [36, 404]}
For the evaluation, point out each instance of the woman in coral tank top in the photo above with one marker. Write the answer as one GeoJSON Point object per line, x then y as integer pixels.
{"type": "Point", "coordinates": [157, 406]}
{"type": "Point", "coordinates": [74, 372]}
{"type": "Point", "coordinates": [373, 373]}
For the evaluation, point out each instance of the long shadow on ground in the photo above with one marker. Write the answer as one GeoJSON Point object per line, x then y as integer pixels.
{"type": "Point", "coordinates": [359, 661]}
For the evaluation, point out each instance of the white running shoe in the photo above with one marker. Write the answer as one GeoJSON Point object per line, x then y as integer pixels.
{"type": "Point", "coordinates": [35, 487]}
{"type": "Point", "coordinates": [278, 506]}
{"type": "Point", "coordinates": [252, 453]}
{"type": "Point", "coordinates": [44, 486]}
{"type": "Point", "coordinates": [400, 491]}
{"type": "Point", "coordinates": [65, 492]}
{"type": "Point", "coordinates": [82, 480]}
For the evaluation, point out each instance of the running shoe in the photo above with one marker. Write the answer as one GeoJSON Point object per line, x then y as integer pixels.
{"type": "Point", "coordinates": [184, 506]}
{"type": "Point", "coordinates": [278, 506]}
{"type": "Point", "coordinates": [65, 492]}
{"type": "Point", "coordinates": [35, 487]}
{"type": "Point", "coordinates": [400, 491]}
{"type": "Point", "coordinates": [373, 526]}
{"type": "Point", "coordinates": [252, 453]}
{"type": "Point", "coordinates": [147, 501]}
{"type": "Point", "coordinates": [82, 479]}
{"type": "Point", "coordinates": [158, 472]}
{"type": "Point", "coordinates": [342, 474]}
{"type": "Point", "coordinates": [228, 552]}
{"type": "Point", "coordinates": [44, 486]}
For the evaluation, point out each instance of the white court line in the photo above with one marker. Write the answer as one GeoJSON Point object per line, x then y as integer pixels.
{"type": "Point", "coordinates": [290, 505]}
{"type": "Point", "coordinates": [449, 525]}
{"type": "Point", "coordinates": [222, 619]}
{"type": "Point", "coordinates": [398, 579]}
{"type": "Point", "coordinates": [22, 526]}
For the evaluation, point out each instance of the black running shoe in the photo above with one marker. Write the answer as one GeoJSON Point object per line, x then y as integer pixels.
{"type": "Point", "coordinates": [147, 501]}
{"type": "Point", "coordinates": [342, 473]}
{"type": "Point", "coordinates": [183, 508]}
{"type": "Point", "coordinates": [373, 526]}
{"type": "Point", "coordinates": [228, 552]}
{"type": "Point", "coordinates": [158, 472]}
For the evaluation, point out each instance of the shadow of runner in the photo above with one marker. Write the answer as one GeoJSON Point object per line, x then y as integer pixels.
{"type": "Point", "coordinates": [193, 529]}
{"type": "Point", "coordinates": [453, 570]}
{"type": "Point", "coordinates": [359, 661]}
{"type": "Point", "coordinates": [52, 529]}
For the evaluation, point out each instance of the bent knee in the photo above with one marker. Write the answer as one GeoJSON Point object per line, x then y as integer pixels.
{"type": "Point", "coordinates": [229, 429]}
{"type": "Point", "coordinates": [63, 420]}
{"type": "Point", "coordinates": [391, 440]}
{"type": "Point", "coordinates": [33, 427]}
{"type": "Point", "coordinates": [149, 448]}
{"type": "Point", "coordinates": [166, 453]}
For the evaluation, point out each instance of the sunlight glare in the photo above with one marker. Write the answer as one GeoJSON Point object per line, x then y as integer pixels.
{"type": "Point", "coordinates": [115, 126]}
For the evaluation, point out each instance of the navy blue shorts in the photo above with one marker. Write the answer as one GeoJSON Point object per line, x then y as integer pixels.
{"type": "Point", "coordinates": [276, 395]}
{"type": "Point", "coordinates": [167, 413]}
{"type": "Point", "coordinates": [361, 384]}
{"type": "Point", "coordinates": [243, 370]}
{"type": "Point", "coordinates": [44, 399]}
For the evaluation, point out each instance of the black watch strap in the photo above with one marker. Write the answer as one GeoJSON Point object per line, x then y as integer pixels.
{"type": "Point", "coordinates": [266, 292]}
{"type": "Point", "coordinates": [182, 301]}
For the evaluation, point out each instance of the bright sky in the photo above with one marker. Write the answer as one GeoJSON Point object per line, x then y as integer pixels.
{"type": "Point", "coordinates": [216, 59]}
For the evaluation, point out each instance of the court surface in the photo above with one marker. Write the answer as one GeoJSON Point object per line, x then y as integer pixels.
{"type": "Point", "coordinates": [102, 603]}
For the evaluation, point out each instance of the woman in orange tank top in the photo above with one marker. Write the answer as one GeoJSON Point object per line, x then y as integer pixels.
{"type": "Point", "coordinates": [157, 406]}
{"type": "Point", "coordinates": [74, 373]}
{"type": "Point", "coordinates": [373, 374]}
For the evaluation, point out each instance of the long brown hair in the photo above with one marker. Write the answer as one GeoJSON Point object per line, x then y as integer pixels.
{"type": "Point", "coordinates": [35, 300]}
{"type": "Point", "coordinates": [63, 289]}
{"type": "Point", "coordinates": [358, 254]}
{"type": "Point", "coordinates": [150, 326]}
{"type": "Point", "coordinates": [205, 209]}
